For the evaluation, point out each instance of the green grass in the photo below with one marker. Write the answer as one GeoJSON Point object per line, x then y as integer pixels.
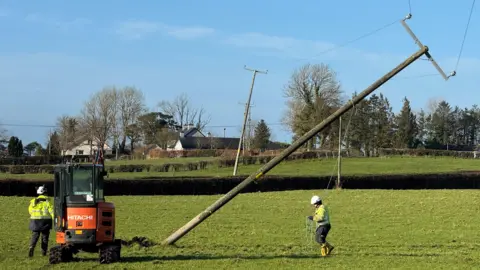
{"type": "Point", "coordinates": [371, 230]}
{"type": "Point", "coordinates": [350, 166]}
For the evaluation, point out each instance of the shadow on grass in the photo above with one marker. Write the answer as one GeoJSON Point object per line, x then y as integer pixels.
{"type": "Point", "coordinates": [205, 257]}
{"type": "Point", "coordinates": [152, 258]}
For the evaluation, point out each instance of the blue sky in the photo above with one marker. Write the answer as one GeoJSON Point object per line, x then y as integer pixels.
{"type": "Point", "coordinates": [55, 54]}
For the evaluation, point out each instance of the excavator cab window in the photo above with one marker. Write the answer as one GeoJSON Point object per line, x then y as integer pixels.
{"type": "Point", "coordinates": [84, 184]}
{"type": "Point", "coordinates": [82, 181]}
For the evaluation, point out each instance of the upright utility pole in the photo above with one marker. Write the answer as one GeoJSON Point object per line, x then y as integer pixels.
{"type": "Point", "coordinates": [247, 110]}
{"type": "Point", "coordinates": [248, 129]}
{"type": "Point", "coordinates": [339, 171]}
{"type": "Point", "coordinates": [297, 144]}
{"type": "Point", "coordinates": [50, 143]}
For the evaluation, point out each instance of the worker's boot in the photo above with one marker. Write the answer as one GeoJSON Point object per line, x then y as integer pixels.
{"type": "Point", "coordinates": [323, 250]}
{"type": "Point", "coordinates": [44, 249]}
{"type": "Point", "coordinates": [30, 251]}
{"type": "Point", "coordinates": [329, 248]}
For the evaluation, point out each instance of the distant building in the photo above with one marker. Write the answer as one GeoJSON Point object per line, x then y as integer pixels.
{"type": "Point", "coordinates": [84, 148]}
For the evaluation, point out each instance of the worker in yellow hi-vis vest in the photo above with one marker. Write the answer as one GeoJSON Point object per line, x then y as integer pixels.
{"type": "Point", "coordinates": [322, 219]}
{"type": "Point", "coordinates": [41, 220]}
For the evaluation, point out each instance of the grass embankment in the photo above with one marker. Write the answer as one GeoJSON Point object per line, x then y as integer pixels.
{"type": "Point", "coordinates": [371, 230]}
{"type": "Point", "coordinates": [350, 166]}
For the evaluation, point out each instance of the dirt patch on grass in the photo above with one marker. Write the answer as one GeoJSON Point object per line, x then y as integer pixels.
{"type": "Point", "coordinates": [140, 240]}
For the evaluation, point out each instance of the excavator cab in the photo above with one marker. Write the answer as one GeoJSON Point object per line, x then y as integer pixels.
{"type": "Point", "coordinates": [83, 220]}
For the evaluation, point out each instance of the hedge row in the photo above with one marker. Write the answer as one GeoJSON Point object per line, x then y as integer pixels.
{"type": "Point", "coordinates": [209, 186]}
{"type": "Point", "coordinates": [166, 167]}
{"type": "Point", "coordinates": [426, 152]}
{"type": "Point", "coordinates": [42, 160]}
{"type": "Point", "coordinates": [159, 153]}
{"type": "Point", "coordinates": [229, 162]}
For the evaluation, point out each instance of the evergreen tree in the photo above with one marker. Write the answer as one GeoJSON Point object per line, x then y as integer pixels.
{"type": "Point", "coordinates": [406, 126]}
{"type": "Point", "coordinates": [262, 135]}
{"type": "Point", "coordinates": [53, 145]}
{"type": "Point", "coordinates": [421, 128]}
{"type": "Point", "coordinates": [30, 148]}
{"type": "Point", "coordinates": [443, 123]}
{"type": "Point", "coordinates": [15, 147]}
{"type": "Point", "coordinates": [11, 146]}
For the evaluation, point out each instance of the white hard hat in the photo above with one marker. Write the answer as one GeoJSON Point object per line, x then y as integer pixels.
{"type": "Point", "coordinates": [41, 190]}
{"type": "Point", "coordinates": [315, 199]}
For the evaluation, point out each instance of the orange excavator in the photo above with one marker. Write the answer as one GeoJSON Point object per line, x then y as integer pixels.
{"type": "Point", "coordinates": [83, 220]}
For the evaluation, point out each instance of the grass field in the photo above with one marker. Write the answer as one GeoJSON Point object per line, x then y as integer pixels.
{"type": "Point", "coordinates": [350, 166]}
{"type": "Point", "coordinates": [371, 230]}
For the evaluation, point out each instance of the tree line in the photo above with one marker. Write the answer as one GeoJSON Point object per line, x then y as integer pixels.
{"type": "Point", "coordinates": [314, 92]}
{"type": "Point", "coordinates": [119, 115]}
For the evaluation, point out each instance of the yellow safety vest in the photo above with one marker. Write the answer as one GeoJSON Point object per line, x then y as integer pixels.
{"type": "Point", "coordinates": [321, 216]}
{"type": "Point", "coordinates": [40, 208]}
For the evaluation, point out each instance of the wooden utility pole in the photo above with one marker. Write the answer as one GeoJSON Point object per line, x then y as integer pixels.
{"type": "Point", "coordinates": [247, 110]}
{"type": "Point", "coordinates": [248, 129]}
{"type": "Point", "coordinates": [339, 171]}
{"type": "Point", "coordinates": [297, 144]}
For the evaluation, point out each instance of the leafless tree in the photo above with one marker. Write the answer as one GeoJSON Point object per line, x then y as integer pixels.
{"type": "Point", "coordinates": [165, 137]}
{"type": "Point", "coordinates": [68, 132]}
{"type": "Point", "coordinates": [184, 113]}
{"type": "Point", "coordinates": [312, 93]}
{"type": "Point", "coordinates": [432, 104]}
{"type": "Point", "coordinates": [117, 129]}
{"type": "Point", "coordinates": [3, 134]}
{"type": "Point", "coordinates": [99, 116]}
{"type": "Point", "coordinates": [131, 104]}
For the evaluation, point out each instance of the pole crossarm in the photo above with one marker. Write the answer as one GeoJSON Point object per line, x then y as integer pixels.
{"type": "Point", "coordinates": [427, 54]}
{"type": "Point", "coordinates": [294, 146]}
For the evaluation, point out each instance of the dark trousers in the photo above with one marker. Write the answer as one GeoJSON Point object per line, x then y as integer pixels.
{"type": "Point", "coordinates": [321, 233]}
{"type": "Point", "coordinates": [35, 235]}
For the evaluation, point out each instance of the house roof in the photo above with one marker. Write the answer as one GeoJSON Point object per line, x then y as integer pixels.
{"type": "Point", "coordinates": [208, 143]}
{"type": "Point", "coordinates": [188, 131]}
{"type": "Point", "coordinates": [83, 141]}
{"type": "Point", "coordinates": [274, 146]}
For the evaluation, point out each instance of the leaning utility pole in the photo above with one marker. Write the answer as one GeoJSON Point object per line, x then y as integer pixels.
{"type": "Point", "coordinates": [297, 144]}
{"type": "Point", "coordinates": [247, 109]}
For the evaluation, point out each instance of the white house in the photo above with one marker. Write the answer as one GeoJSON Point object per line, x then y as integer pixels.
{"type": "Point", "coordinates": [84, 149]}
{"type": "Point", "coordinates": [188, 131]}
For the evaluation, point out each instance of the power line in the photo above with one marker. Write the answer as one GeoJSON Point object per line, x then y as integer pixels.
{"type": "Point", "coordinates": [465, 34]}
{"type": "Point", "coordinates": [409, 7]}
{"type": "Point", "coordinates": [353, 40]}
{"type": "Point", "coordinates": [207, 126]}
{"type": "Point", "coordinates": [415, 76]}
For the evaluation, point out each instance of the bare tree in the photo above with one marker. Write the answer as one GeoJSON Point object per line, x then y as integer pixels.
{"type": "Point", "coordinates": [99, 116]}
{"type": "Point", "coordinates": [131, 104]}
{"type": "Point", "coordinates": [165, 136]}
{"type": "Point", "coordinates": [3, 134]}
{"type": "Point", "coordinates": [68, 132]}
{"type": "Point", "coordinates": [183, 113]}
{"type": "Point", "coordinates": [432, 104]}
{"type": "Point", "coordinates": [117, 130]}
{"type": "Point", "coordinates": [312, 93]}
